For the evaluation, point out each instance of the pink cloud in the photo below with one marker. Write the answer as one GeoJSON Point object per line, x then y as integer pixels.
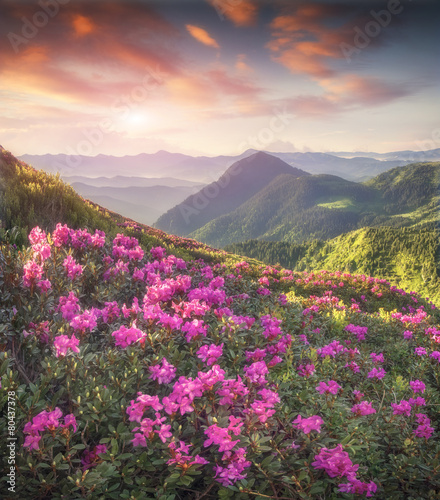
{"type": "Point", "coordinates": [202, 36]}
{"type": "Point", "coordinates": [241, 13]}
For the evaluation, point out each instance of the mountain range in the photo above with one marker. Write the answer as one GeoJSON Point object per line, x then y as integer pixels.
{"type": "Point", "coordinates": [185, 175]}
{"type": "Point", "coordinates": [292, 205]}
{"type": "Point", "coordinates": [402, 205]}
{"type": "Point", "coordinates": [357, 166]}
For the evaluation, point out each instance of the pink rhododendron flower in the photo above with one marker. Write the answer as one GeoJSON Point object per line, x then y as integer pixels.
{"type": "Point", "coordinates": [211, 377]}
{"type": "Point", "coordinates": [256, 372]}
{"type": "Point", "coordinates": [357, 487]}
{"type": "Point", "coordinates": [44, 285]}
{"type": "Point", "coordinates": [61, 235]}
{"type": "Point", "coordinates": [363, 408]}
{"type": "Point", "coordinates": [88, 320]}
{"type": "Point", "coordinates": [336, 462]}
{"type": "Point", "coordinates": [210, 354]}
{"type": "Point", "coordinates": [72, 268]}
{"type": "Point", "coordinates": [358, 395]}
{"type": "Point", "coordinates": [435, 355]}
{"type": "Point", "coordinates": [358, 331]}
{"type": "Point", "coordinates": [417, 401]}
{"type": "Point", "coordinates": [194, 329]}
{"type": "Point", "coordinates": [163, 373]}
{"type": "Point", "coordinates": [417, 386]}
{"type": "Point", "coordinates": [91, 458]}
{"type": "Point", "coordinates": [331, 388]}
{"type": "Point", "coordinates": [331, 349]}
{"type": "Point", "coordinates": [377, 358]}
{"type": "Point", "coordinates": [32, 442]}
{"type": "Point", "coordinates": [307, 425]}
{"type": "Point", "coordinates": [69, 306]}
{"type": "Point", "coordinates": [32, 272]}
{"type": "Point", "coordinates": [420, 351]}
{"type": "Point", "coordinates": [306, 371]}
{"type": "Point", "coordinates": [375, 373]}
{"type": "Point", "coordinates": [353, 366]}
{"type": "Point", "coordinates": [62, 343]}
{"type": "Point", "coordinates": [424, 431]}
{"type": "Point", "coordinates": [232, 390]}
{"type": "Point", "coordinates": [404, 408]}
{"type": "Point", "coordinates": [37, 236]}
{"type": "Point", "coordinates": [127, 336]}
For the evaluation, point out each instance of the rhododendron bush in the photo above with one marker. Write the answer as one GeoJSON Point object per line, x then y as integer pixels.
{"type": "Point", "coordinates": [140, 375]}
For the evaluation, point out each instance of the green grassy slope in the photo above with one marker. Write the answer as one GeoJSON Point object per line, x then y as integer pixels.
{"type": "Point", "coordinates": [408, 257]}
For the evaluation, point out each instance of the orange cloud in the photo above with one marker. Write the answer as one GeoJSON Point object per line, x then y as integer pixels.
{"type": "Point", "coordinates": [241, 13]}
{"type": "Point", "coordinates": [78, 60]}
{"type": "Point", "coordinates": [202, 36]}
{"type": "Point", "coordinates": [304, 42]}
{"type": "Point", "coordinates": [83, 25]}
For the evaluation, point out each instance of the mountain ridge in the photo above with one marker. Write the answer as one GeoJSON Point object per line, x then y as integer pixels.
{"type": "Point", "coordinates": [324, 206]}
{"type": "Point", "coordinates": [239, 183]}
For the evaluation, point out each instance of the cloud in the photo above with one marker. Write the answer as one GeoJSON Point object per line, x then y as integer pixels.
{"type": "Point", "coordinates": [89, 52]}
{"type": "Point", "coordinates": [83, 25]}
{"type": "Point", "coordinates": [240, 12]}
{"type": "Point", "coordinates": [241, 65]}
{"type": "Point", "coordinates": [344, 94]}
{"type": "Point", "coordinates": [308, 38]}
{"type": "Point", "coordinates": [366, 91]}
{"type": "Point", "coordinates": [202, 36]}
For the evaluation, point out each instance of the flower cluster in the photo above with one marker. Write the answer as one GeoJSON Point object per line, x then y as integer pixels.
{"type": "Point", "coordinates": [46, 421]}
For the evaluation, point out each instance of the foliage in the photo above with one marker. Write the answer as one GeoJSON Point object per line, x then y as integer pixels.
{"type": "Point", "coordinates": [408, 257]}
{"type": "Point", "coordinates": [135, 374]}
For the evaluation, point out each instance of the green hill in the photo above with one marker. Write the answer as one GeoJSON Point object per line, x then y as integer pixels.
{"type": "Point", "coordinates": [323, 206]}
{"type": "Point", "coordinates": [30, 197]}
{"type": "Point", "coordinates": [408, 257]}
{"type": "Point", "coordinates": [295, 209]}
{"type": "Point", "coordinates": [238, 184]}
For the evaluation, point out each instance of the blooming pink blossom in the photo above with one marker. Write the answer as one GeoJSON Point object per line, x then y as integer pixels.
{"type": "Point", "coordinates": [335, 462]}
{"type": "Point", "coordinates": [357, 487]}
{"type": "Point", "coordinates": [331, 388]}
{"type": "Point", "coordinates": [126, 336]}
{"type": "Point", "coordinates": [375, 373]}
{"type": "Point", "coordinates": [69, 306]}
{"type": "Point", "coordinates": [307, 425]}
{"type": "Point", "coordinates": [435, 355]}
{"type": "Point", "coordinates": [61, 235]}
{"type": "Point", "coordinates": [163, 373]}
{"type": "Point", "coordinates": [62, 343]}
{"type": "Point", "coordinates": [417, 401]}
{"type": "Point", "coordinates": [377, 358]}
{"type": "Point", "coordinates": [306, 371]}
{"type": "Point", "coordinates": [403, 408]}
{"type": "Point", "coordinates": [210, 354]}
{"type": "Point", "coordinates": [72, 268]}
{"type": "Point", "coordinates": [256, 372]}
{"type": "Point", "coordinates": [33, 272]}
{"type": "Point", "coordinates": [417, 386]}
{"type": "Point", "coordinates": [91, 459]}
{"type": "Point", "coordinates": [363, 408]}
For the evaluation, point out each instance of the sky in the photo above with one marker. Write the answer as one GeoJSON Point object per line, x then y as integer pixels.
{"type": "Point", "coordinates": [211, 77]}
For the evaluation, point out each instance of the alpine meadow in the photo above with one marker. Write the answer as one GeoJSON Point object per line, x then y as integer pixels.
{"type": "Point", "coordinates": [219, 250]}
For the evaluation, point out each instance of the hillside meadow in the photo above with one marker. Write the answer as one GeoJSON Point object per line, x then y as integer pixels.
{"type": "Point", "coordinates": [139, 365]}
{"type": "Point", "coordinates": [128, 372]}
